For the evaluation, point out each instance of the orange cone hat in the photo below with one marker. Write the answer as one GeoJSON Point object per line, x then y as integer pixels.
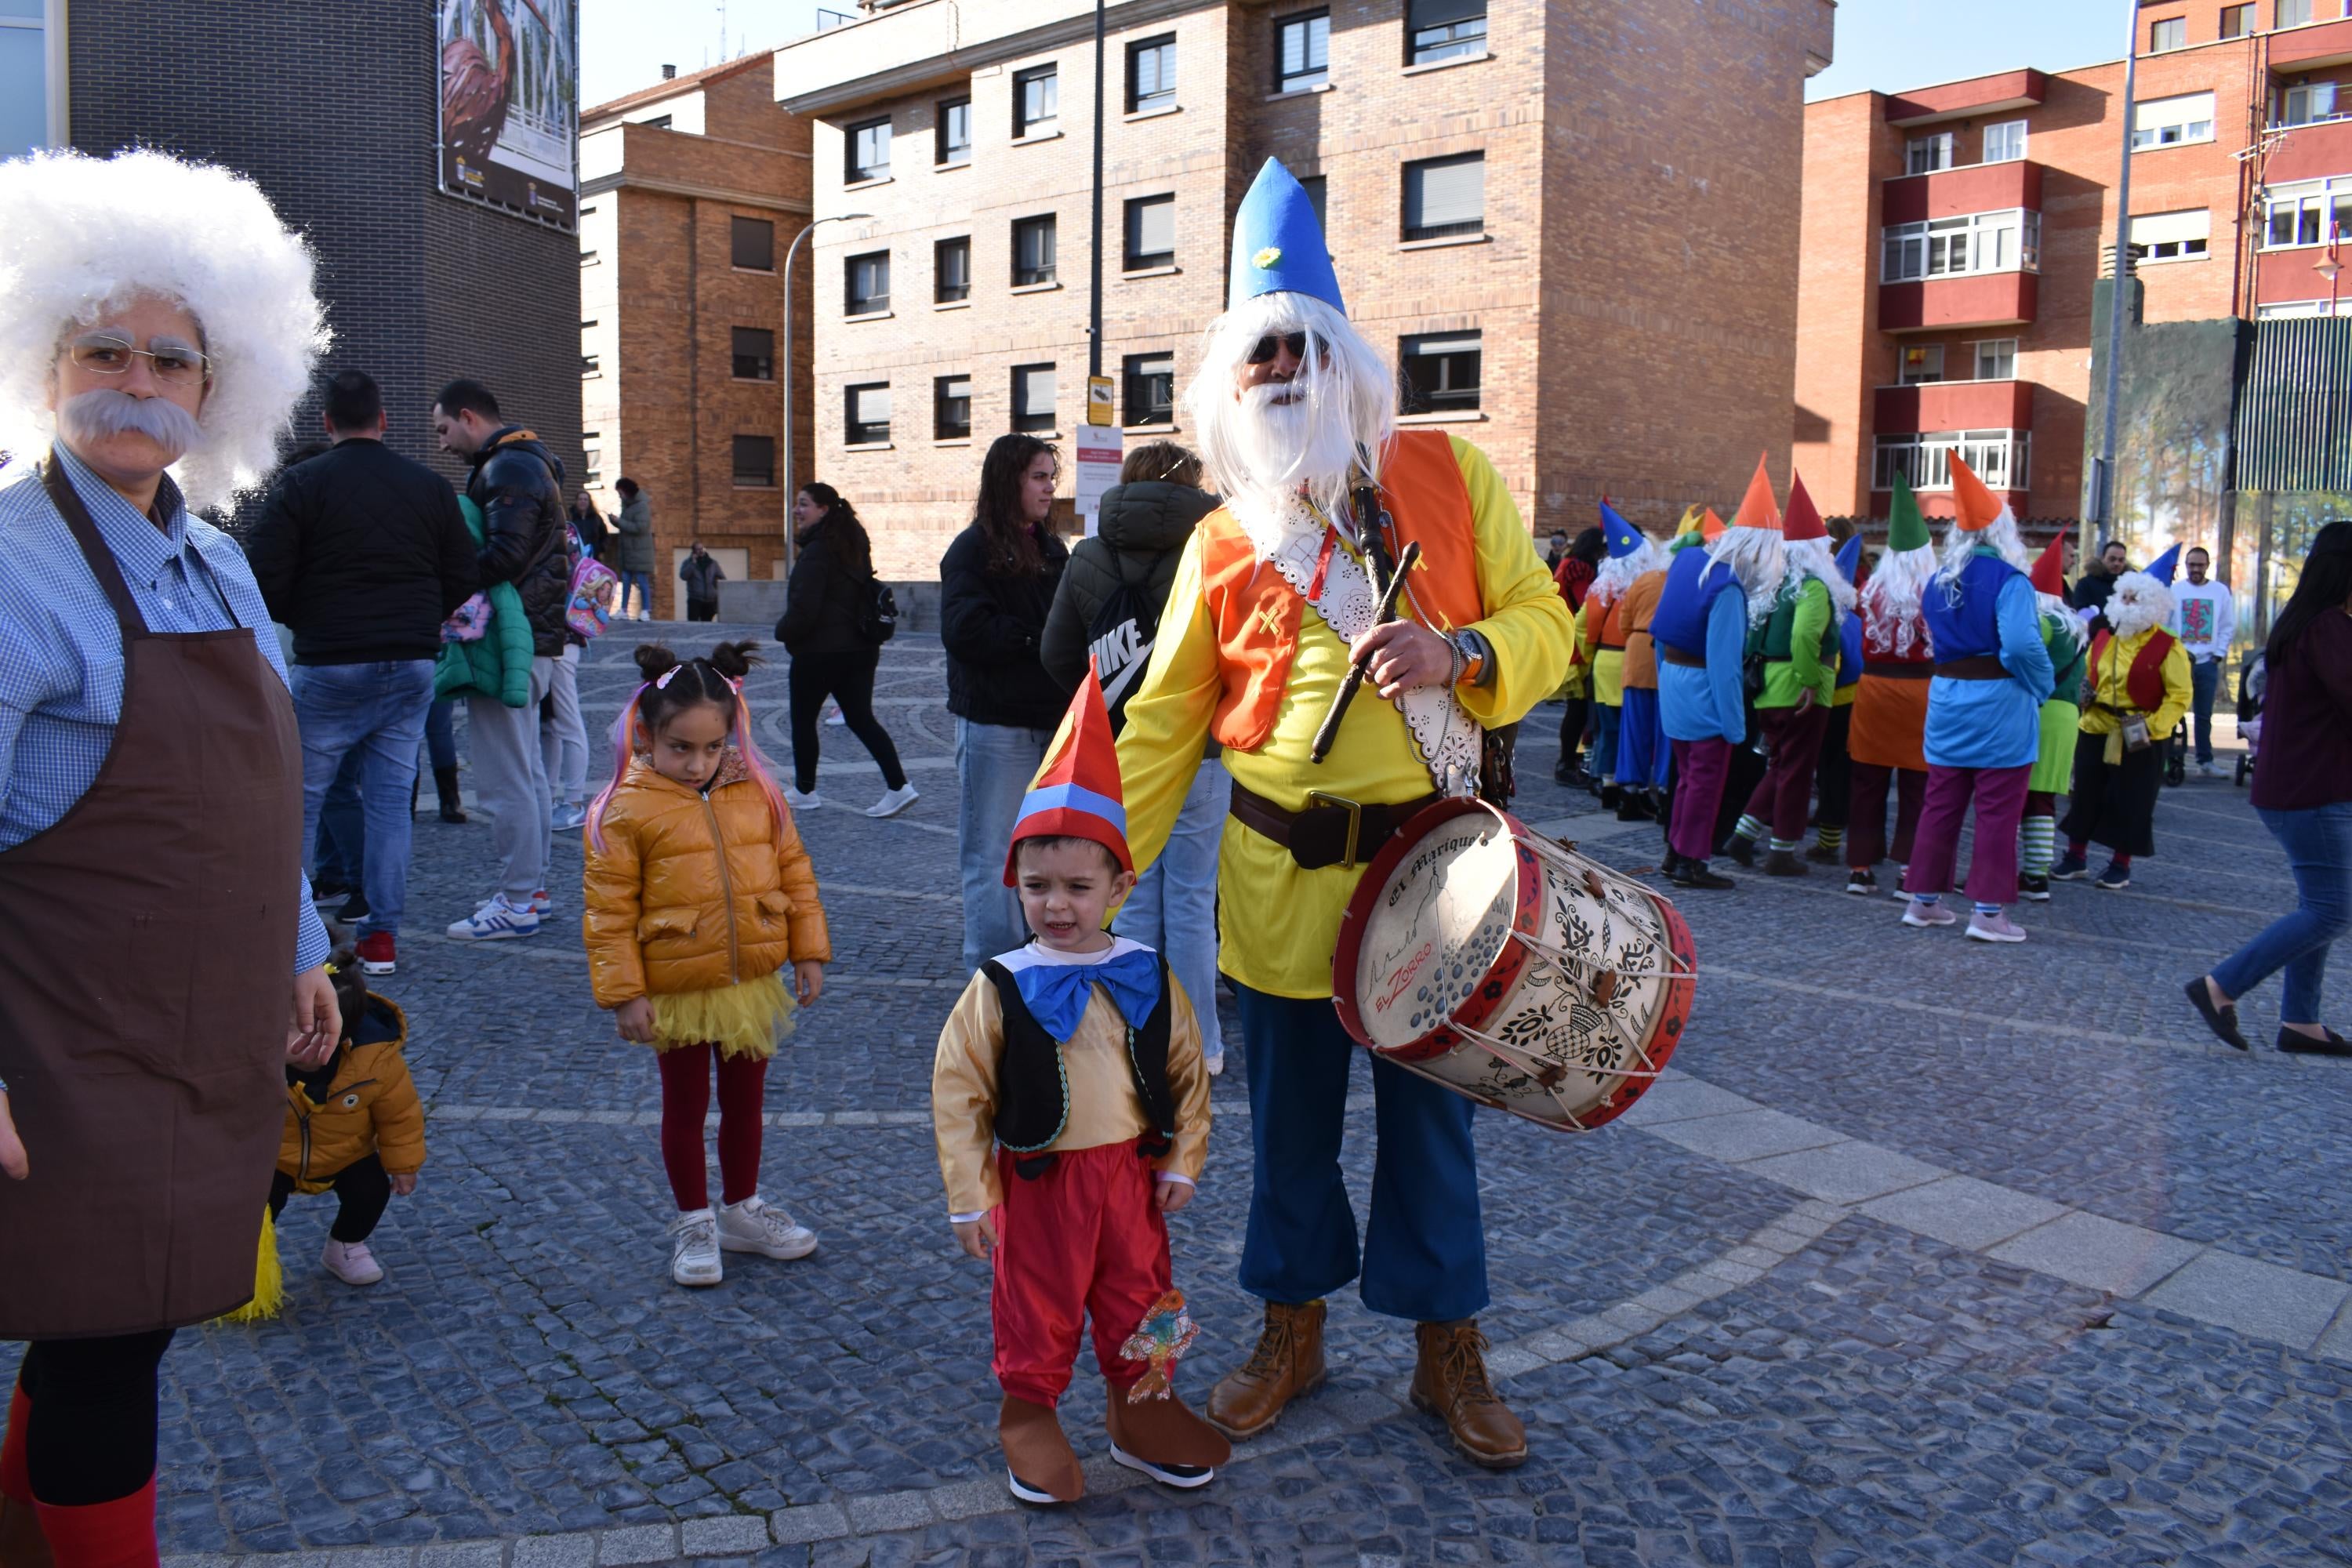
{"type": "Point", "coordinates": [1712, 529]}
{"type": "Point", "coordinates": [2049, 569]}
{"type": "Point", "coordinates": [1076, 793]}
{"type": "Point", "coordinates": [1756, 508]}
{"type": "Point", "coordinates": [1976, 507]}
{"type": "Point", "coordinates": [1804, 520]}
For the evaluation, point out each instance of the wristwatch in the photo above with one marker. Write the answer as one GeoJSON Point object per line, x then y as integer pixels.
{"type": "Point", "coordinates": [1473, 660]}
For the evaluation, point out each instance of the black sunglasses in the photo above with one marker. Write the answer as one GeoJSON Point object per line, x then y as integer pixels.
{"type": "Point", "coordinates": [1265, 347]}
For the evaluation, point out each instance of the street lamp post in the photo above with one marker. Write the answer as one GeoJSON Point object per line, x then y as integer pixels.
{"type": "Point", "coordinates": [784, 368]}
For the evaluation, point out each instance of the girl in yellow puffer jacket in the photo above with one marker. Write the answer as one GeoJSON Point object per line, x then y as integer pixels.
{"type": "Point", "coordinates": [698, 892]}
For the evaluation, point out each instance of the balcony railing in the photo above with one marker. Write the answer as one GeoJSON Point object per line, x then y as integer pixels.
{"type": "Point", "coordinates": [1923, 406]}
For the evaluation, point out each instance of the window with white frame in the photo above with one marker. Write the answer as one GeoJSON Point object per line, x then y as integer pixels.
{"type": "Point", "coordinates": [2170, 34]}
{"type": "Point", "coordinates": [1150, 233]}
{"type": "Point", "coordinates": [2308, 103]}
{"type": "Point", "coordinates": [2292, 13]}
{"type": "Point", "coordinates": [952, 408]}
{"type": "Point", "coordinates": [867, 280]}
{"type": "Point", "coordinates": [2172, 122]}
{"type": "Point", "coordinates": [2172, 237]}
{"type": "Point", "coordinates": [1438, 30]}
{"type": "Point", "coordinates": [2307, 212]}
{"type": "Point", "coordinates": [1033, 397]}
{"type": "Point", "coordinates": [1997, 359]}
{"type": "Point", "coordinates": [1037, 99]}
{"type": "Point", "coordinates": [1152, 74]}
{"type": "Point", "coordinates": [2004, 143]}
{"type": "Point", "coordinates": [1440, 372]}
{"type": "Point", "coordinates": [1922, 362]}
{"type": "Point", "coordinates": [2005, 241]}
{"type": "Point", "coordinates": [1999, 458]}
{"type": "Point", "coordinates": [868, 146]}
{"type": "Point", "coordinates": [1446, 197]}
{"type": "Point", "coordinates": [1929, 153]}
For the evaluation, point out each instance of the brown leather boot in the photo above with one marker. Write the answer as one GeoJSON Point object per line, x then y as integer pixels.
{"type": "Point", "coordinates": [22, 1545]}
{"type": "Point", "coordinates": [1163, 1438]}
{"type": "Point", "coordinates": [1039, 1464]}
{"type": "Point", "coordinates": [1287, 1363]}
{"type": "Point", "coordinates": [1451, 1382]}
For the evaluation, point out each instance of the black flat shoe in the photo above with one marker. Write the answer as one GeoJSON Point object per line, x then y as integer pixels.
{"type": "Point", "coordinates": [2224, 1021]}
{"type": "Point", "coordinates": [2294, 1044]}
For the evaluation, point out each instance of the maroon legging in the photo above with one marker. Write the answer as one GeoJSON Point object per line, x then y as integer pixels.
{"type": "Point", "coordinates": [685, 1101]}
{"type": "Point", "coordinates": [1865, 832]}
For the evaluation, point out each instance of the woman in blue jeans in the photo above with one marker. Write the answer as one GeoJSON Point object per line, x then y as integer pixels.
{"type": "Point", "coordinates": [2302, 790]}
{"type": "Point", "coordinates": [996, 585]}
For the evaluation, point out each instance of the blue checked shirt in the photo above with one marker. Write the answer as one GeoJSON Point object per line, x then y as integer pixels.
{"type": "Point", "coordinates": [61, 651]}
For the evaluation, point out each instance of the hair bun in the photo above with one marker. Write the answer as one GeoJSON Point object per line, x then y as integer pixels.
{"type": "Point", "coordinates": [654, 661]}
{"type": "Point", "coordinates": [734, 659]}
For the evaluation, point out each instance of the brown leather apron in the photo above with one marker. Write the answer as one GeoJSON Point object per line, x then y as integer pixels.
{"type": "Point", "coordinates": [146, 961]}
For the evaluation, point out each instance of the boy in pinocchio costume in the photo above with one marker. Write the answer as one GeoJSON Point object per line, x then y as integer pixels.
{"type": "Point", "coordinates": [1072, 1110]}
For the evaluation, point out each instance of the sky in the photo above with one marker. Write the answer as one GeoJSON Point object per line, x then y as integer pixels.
{"type": "Point", "coordinates": [624, 44]}
{"type": "Point", "coordinates": [1894, 45]}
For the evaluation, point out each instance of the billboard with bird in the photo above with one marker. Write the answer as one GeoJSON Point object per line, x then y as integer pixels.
{"type": "Point", "coordinates": [510, 105]}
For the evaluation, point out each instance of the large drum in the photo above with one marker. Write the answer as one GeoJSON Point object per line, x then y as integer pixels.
{"type": "Point", "coordinates": [1511, 969]}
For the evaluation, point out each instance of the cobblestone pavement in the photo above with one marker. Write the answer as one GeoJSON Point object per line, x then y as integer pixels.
{"type": "Point", "coordinates": [1931, 1253]}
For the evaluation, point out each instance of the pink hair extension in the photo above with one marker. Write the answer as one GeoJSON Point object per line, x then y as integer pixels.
{"type": "Point", "coordinates": [625, 725]}
{"type": "Point", "coordinates": [756, 762]}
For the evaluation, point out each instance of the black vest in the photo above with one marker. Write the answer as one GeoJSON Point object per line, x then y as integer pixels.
{"type": "Point", "coordinates": [1032, 1090]}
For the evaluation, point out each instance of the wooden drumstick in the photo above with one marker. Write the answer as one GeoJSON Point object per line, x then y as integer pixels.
{"type": "Point", "coordinates": [1357, 670]}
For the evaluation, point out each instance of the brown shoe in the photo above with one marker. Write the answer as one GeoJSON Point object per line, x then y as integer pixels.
{"type": "Point", "coordinates": [1784, 863]}
{"type": "Point", "coordinates": [1163, 1438]}
{"type": "Point", "coordinates": [1039, 1464]}
{"type": "Point", "coordinates": [1287, 1363]}
{"type": "Point", "coordinates": [1451, 1382]}
{"type": "Point", "coordinates": [22, 1543]}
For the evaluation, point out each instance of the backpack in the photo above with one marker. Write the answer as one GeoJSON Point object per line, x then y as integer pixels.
{"type": "Point", "coordinates": [1119, 640]}
{"type": "Point", "coordinates": [877, 622]}
{"type": "Point", "coordinates": [588, 607]}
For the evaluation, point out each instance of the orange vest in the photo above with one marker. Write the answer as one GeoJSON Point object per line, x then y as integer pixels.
{"type": "Point", "coordinates": [1256, 613]}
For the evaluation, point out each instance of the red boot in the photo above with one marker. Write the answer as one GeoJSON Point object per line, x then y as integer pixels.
{"type": "Point", "coordinates": [22, 1545]}
{"type": "Point", "coordinates": [118, 1534]}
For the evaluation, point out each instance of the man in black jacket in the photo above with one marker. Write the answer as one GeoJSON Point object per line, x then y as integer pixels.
{"type": "Point", "coordinates": [519, 485]}
{"type": "Point", "coordinates": [363, 555]}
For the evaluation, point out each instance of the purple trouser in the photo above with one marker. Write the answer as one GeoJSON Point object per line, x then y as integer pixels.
{"type": "Point", "coordinates": [1999, 796]}
{"type": "Point", "coordinates": [1700, 768]}
{"type": "Point", "coordinates": [1785, 794]}
{"type": "Point", "coordinates": [1865, 828]}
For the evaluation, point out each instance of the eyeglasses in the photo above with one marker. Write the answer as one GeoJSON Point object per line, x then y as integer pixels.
{"type": "Point", "coordinates": [1266, 346]}
{"type": "Point", "coordinates": [108, 354]}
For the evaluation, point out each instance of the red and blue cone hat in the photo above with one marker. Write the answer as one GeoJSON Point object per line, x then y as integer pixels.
{"type": "Point", "coordinates": [1076, 793]}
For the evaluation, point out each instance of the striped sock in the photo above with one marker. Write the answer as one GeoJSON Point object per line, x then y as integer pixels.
{"type": "Point", "coordinates": [1927, 898]}
{"type": "Point", "coordinates": [1784, 845]}
{"type": "Point", "coordinates": [2040, 836]}
{"type": "Point", "coordinates": [1750, 828]}
{"type": "Point", "coordinates": [1985, 909]}
{"type": "Point", "coordinates": [1833, 839]}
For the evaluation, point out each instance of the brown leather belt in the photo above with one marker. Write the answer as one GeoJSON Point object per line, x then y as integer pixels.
{"type": "Point", "coordinates": [1676, 655]}
{"type": "Point", "coordinates": [1334, 832]}
{"type": "Point", "coordinates": [1894, 669]}
{"type": "Point", "coordinates": [1975, 667]}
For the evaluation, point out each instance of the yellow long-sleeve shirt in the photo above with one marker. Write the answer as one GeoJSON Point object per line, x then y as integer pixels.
{"type": "Point", "coordinates": [1104, 1106]}
{"type": "Point", "coordinates": [2111, 669]}
{"type": "Point", "coordinates": [1279, 925]}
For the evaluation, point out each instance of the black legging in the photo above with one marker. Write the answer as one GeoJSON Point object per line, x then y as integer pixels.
{"type": "Point", "coordinates": [92, 1430]}
{"type": "Point", "coordinates": [848, 680]}
{"type": "Point", "coordinates": [362, 1188]}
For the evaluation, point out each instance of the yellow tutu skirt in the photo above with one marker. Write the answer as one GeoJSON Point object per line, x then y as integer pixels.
{"type": "Point", "coordinates": [742, 1020]}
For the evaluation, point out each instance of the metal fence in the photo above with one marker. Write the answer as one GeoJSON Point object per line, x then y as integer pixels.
{"type": "Point", "coordinates": [2295, 408]}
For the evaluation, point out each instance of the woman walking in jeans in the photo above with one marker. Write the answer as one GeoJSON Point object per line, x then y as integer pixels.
{"type": "Point", "coordinates": [823, 628]}
{"type": "Point", "coordinates": [2303, 790]}
{"type": "Point", "coordinates": [996, 585]}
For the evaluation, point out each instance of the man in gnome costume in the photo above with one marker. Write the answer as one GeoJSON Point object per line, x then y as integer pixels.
{"type": "Point", "coordinates": [1710, 600]}
{"type": "Point", "coordinates": [2140, 687]}
{"type": "Point", "coordinates": [1992, 673]}
{"type": "Point", "coordinates": [1890, 705]}
{"type": "Point", "coordinates": [1642, 753]}
{"type": "Point", "coordinates": [1797, 641]}
{"type": "Point", "coordinates": [1833, 774]}
{"type": "Point", "coordinates": [1601, 639]}
{"type": "Point", "coordinates": [1274, 593]}
{"type": "Point", "coordinates": [2064, 633]}
{"type": "Point", "coordinates": [1071, 1107]}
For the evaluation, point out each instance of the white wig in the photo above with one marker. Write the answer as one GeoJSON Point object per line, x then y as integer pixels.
{"type": "Point", "coordinates": [2000, 535]}
{"type": "Point", "coordinates": [1890, 599]}
{"type": "Point", "coordinates": [2138, 602]}
{"type": "Point", "coordinates": [1760, 559]}
{"type": "Point", "coordinates": [1616, 572]}
{"type": "Point", "coordinates": [1816, 559]}
{"type": "Point", "coordinates": [84, 235]}
{"type": "Point", "coordinates": [1349, 398]}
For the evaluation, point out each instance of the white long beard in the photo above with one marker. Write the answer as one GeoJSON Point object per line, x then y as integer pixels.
{"type": "Point", "coordinates": [1813, 557]}
{"type": "Point", "coordinates": [1754, 555]}
{"type": "Point", "coordinates": [1284, 448]}
{"type": "Point", "coordinates": [1890, 598]}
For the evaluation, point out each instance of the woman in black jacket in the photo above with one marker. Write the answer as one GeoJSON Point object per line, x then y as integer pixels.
{"type": "Point", "coordinates": [996, 583]}
{"type": "Point", "coordinates": [826, 600]}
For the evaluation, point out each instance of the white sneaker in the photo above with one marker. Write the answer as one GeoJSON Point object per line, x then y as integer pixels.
{"type": "Point", "coordinates": [497, 920]}
{"type": "Point", "coordinates": [568, 817]}
{"type": "Point", "coordinates": [800, 802]}
{"type": "Point", "coordinates": [1997, 927]}
{"type": "Point", "coordinates": [753, 1226]}
{"type": "Point", "coordinates": [694, 1248]}
{"type": "Point", "coordinates": [351, 1262]}
{"type": "Point", "coordinates": [834, 715]}
{"type": "Point", "coordinates": [895, 800]}
{"type": "Point", "coordinates": [1920, 914]}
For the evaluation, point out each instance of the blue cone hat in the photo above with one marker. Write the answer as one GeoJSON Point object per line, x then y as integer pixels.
{"type": "Point", "coordinates": [1849, 556]}
{"type": "Point", "coordinates": [1278, 246]}
{"type": "Point", "coordinates": [1622, 537]}
{"type": "Point", "coordinates": [2164, 566]}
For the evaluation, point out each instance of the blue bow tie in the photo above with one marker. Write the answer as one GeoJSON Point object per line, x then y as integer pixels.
{"type": "Point", "coordinates": [1055, 994]}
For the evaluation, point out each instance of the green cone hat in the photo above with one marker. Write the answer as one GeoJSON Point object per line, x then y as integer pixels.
{"type": "Point", "coordinates": [1905, 529]}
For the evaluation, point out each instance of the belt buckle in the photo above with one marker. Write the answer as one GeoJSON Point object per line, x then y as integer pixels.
{"type": "Point", "coordinates": [1355, 811]}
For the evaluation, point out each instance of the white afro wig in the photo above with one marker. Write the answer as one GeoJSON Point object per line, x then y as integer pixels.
{"type": "Point", "coordinates": [84, 235]}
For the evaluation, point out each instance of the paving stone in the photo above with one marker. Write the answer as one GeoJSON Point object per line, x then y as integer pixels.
{"type": "Point", "coordinates": [723, 1536]}
{"type": "Point", "coordinates": [2101, 1253]}
{"type": "Point", "coordinates": [1747, 1134]}
{"type": "Point", "coordinates": [812, 1521]}
{"type": "Point", "coordinates": [577, 1551]}
{"type": "Point", "coordinates": [1679, 1098]}
{"type": "Point", "coordinates": [1848, 1172]}
{"type": "Point", "coordinates": [462, 1554]}
{"type": "Point", "coordinates": [642, 1544]}
{"type": "Point", "coordinates": [2252, 1295]}
{"type": "Point", "coordinates": [1963, 1211]}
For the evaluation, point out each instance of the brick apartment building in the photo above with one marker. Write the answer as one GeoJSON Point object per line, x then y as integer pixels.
{"type": "Point", "coordinates": [335, 113]}
{"type": "Point", "coordinates": [1954, 235]}
{"type": "Point", "coordinates": [1572, 268]}
{"type": "Point", "coordinates": [690, 192]}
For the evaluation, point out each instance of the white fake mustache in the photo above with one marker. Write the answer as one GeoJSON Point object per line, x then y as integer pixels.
{"type": "Point", "coordinates": [104, 412]}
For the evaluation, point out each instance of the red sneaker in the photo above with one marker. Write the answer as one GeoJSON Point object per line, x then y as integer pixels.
{"type": "Point", "coordinates": [376, 952]}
